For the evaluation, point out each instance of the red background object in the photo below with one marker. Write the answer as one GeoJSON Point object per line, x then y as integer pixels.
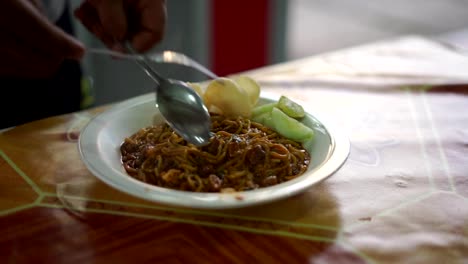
{"type": "Point", "coordinates": [240, 35]}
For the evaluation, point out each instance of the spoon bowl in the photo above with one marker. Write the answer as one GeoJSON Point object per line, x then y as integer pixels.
{"type": "Point", "coordinates": [182, 107]}
{"type": "Point", "coordinates": [184, 111]}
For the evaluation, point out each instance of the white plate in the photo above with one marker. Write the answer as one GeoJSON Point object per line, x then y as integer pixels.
{"type": "Point", "coordinates": [100, 141]}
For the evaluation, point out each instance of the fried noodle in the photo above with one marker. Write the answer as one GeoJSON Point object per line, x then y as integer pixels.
{"type": "Point", "coordinates": [242, 155]}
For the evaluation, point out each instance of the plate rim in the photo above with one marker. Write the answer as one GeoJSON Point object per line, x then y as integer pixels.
{"type": "Point", "coordinates": [336, 159]}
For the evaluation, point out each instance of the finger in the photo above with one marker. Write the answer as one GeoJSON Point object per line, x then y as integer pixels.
{"type": "Point", "coordinates": [29, 25]}
{"type": "Point", "coordinates": [88, 16]}
{"type": "Point", "coordinates": [70, 47]}
{"type": "Point", "coordinates": [150, 25]}
{"type": "Point", "coordinates": [145, 40]}
{"type": "Point", "coordinates": [112, 17]}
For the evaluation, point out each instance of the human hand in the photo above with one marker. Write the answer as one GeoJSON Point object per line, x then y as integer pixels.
{"type": "Point", "coordinates": [30, 45]}
{"type": "Point", "coordinates": [142, 22]}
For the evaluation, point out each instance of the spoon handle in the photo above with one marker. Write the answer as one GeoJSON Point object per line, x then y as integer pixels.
{"type": "Point", "coordinates": [144, 64]}
{"type": "Point", "coordinates": [112, 53]}
{"type": "Point", "coordinates": [166, 56]}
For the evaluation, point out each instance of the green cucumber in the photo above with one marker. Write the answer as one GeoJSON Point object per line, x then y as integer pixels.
{"type": "Point", "coordinates": [260, 118]}
{"type": "Point", "coordinates": [262, 109]}
{"type": "Point", "coordinates": [290, 127]}
{"type": "Point", "coordinates": [290, 108]}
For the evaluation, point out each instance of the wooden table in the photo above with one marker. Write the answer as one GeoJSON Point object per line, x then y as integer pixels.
{"type": "Point", "coordinates": [401, 197]}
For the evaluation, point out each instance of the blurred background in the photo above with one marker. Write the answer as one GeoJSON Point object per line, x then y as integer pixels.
{"type": "Point", "coordinates": [234, 36]}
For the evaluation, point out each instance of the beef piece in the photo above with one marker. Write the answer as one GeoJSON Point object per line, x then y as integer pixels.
{"type": "Point", "coordinates": [270, 180]}
{"type": "Point", "coordinates": [206, 170]}
{"type": "Point", "coordinates": [214, 183]}
{"type": "Point", "coordinates": [256, 155]}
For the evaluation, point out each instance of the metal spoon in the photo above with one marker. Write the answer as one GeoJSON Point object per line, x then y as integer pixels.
{"type": "Point", "coordinates": [166, 56]}
{"type": "Point", "coordinates": [179, 104]}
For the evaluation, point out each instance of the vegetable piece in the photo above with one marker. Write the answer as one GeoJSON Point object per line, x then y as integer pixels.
{"type": "Point", "coordinates": [262, 109]}
{"type": "Point", "coordinates": [290, 127]}
{"type": "Point", "coordinates": [263, 118]}
{"type": "Point", "coordinates": [290, 108]}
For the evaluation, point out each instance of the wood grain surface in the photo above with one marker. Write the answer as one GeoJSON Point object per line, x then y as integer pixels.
{"type": "Point", "coordinates": [44, 235]}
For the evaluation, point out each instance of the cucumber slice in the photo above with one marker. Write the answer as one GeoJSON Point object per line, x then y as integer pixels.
{"type": "Point", "coordinates": [290, 108]}
{"type": "Point", "coordinates": [265, 119]}
{"type": "Point", "coordinates": [260, 118]}
{"type": "Point", "coordinates": [262, 109]}
{"type": "Point", "coordinates": [290, 127]}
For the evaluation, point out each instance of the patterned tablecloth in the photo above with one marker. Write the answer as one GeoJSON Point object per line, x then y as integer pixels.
{"type": "Point", "coordinates": [401, 197]}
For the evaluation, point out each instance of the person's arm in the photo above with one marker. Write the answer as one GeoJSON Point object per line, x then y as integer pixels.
{"type": "Point", "coordinates": [114, 21]}
{"type": "Point", "coordinates": [30, 45]}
